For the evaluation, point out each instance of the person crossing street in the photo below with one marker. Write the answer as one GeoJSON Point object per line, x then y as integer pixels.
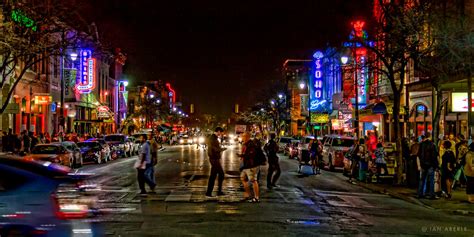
{"type": "Point", "coordinates": [214, 152]}
{"type": "Point", "coordinates": [271, 148]}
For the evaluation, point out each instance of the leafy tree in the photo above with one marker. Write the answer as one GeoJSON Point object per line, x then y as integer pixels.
{"type": "Point", "coordinates": [31, 33]}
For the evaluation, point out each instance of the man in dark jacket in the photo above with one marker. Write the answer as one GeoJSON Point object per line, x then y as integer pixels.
{"type": "Point", "coordinates": [428, 156]}
{"type": "Point", "coordinates": [214, 151]}
{"type": "Point", "coordinates": [271, 148]}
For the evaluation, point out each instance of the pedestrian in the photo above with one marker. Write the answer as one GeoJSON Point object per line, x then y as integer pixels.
{"type": "Point", "coordinates": [412, 164]}
{"type": "Point", "coordinates": [214, 152]}
{"type": "Point", "coordinates": [428, 160]}
{"type": "Point", "coordinates": [447, 169]}
{"type": "Point", "coordinates": [26, 142]}
{"type": "Point", "coordinates": [469, 173]}
{"type": "Point", "coordinates": [34, 140]}
{"type": "Point", "coordinates": [380, 161]}
{"type": "Point", "coordinates": [150, 172]}
{"type": "Point", "coordinates": [354, 155]}
{"type": "Point", "coordinates": [363, 155]}
{"type": "Point", "coordinates": [314, 154]}
{"type": "Point", "coordinates": [142, 164]}
{"type": "Point", "coordinates": [249, 168]}
{"type": "Point", "coordinates": [274, 171]}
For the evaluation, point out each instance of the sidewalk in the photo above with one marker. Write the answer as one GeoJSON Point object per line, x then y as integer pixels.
{"type": "Point", "coordinates": [456, 205]}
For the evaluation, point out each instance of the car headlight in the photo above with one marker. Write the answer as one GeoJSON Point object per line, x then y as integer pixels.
{"type": "Point", "coordinates": [201, 139]}
{"type": "Point", "coordinates": [181, 141]}
{"type": "Point", "coordinates": [195, 139]}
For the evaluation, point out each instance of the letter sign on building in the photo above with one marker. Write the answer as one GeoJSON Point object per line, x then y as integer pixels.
{"type": "Point", "coordinates": [316, 83]}
{"type": "Point", "coordinates": [88, 65]}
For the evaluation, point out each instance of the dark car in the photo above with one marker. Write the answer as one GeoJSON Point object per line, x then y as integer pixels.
{"type": "Point", "coordinates": [61, 201]}
{"type": "Point", "coordinates": [94, 151]}
{"type": "Point", "coordinates": [119, 144]}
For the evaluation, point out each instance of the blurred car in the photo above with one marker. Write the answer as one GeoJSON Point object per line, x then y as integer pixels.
{"type": "Point", "coordinates": [185, 139]}
{"type": "Point", "coordinates": [94, 151]}
{"type": "Point", "coordinates": [119, 144]}
{"type": "Point", "coordinates": [40, 198]}
{"type": "Point", "coordinates": [283, 143]}
{"type": "Point", "coordinates": [334, 149]}
{"type": "Point", "coordinates": [55, 153]}
{"type": "Point", "coordinates": [134, 145]}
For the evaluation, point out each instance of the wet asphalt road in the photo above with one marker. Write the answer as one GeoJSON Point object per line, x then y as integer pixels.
{"type": "Point", "coordinates": [303, 205]}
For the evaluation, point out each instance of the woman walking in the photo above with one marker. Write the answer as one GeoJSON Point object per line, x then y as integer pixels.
{"type": "Point", "coordinates": [447, 169]}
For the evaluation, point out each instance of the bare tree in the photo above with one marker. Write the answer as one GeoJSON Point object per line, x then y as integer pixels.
{"type": "Point", "coordinates": [400, 28]}
{"type": "Point", "coordinates": [31, 33]}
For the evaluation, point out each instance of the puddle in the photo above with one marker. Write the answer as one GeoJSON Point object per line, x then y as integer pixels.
{"type": "Point", "coordinates": [303, 222]}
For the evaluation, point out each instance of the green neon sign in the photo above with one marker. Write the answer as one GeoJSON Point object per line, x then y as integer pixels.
{"type": "Point", "coordinates": [317, 127]}
{"type": "Point", "coordinates": [22, 19]}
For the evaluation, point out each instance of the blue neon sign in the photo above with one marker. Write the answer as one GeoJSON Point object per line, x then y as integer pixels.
{"type": "Point", "coordinates": [316, 83]}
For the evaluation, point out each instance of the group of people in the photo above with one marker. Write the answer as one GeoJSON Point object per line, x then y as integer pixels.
{"type": "Point", "coordinates": [364, 159]}
{"type": "Point", "coordinates": [452, 159]}
{"type": "Point", "coordinates": [252, 156]}
{"type": "Point", "coordinates": [22, 143]}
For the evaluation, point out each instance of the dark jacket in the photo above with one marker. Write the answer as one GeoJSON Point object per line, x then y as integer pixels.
{"type": "Point", "coordinates": [214, 148]}
{"type": "Point", "coordinates": [271, 148]}
{"type": "Point", "coordinates": [428, 155]}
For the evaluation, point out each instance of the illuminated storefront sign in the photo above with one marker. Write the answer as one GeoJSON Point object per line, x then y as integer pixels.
{"type": "Point", "coordinates": [43, 99]}
{"type": "Point", "coordinates": [319, 118]}
{"type": "Point", "coordinates": [316, 84]}
{"type": "Point", "coordinates": [88, 65]}
{"type": "Point", "coordinates": [459, 102]}
{"type": "Point", "coordinates": [103, 112]}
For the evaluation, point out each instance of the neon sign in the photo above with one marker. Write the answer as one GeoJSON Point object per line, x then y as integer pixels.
{"type": "Point", "coordinates": [316, 83]}
{"type": "Point", "coordinates": [88, 65]}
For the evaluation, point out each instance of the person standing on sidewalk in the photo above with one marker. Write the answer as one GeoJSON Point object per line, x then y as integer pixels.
{"type": "Point", "coordinates": [380, 161]}
{"type": "Point", "coordinates": [150, 171]}
{"type": "Point", "coordinates": [354, 154]}
{"type": "Point", "coordinates": [250, 168]}
{"type": "Point", "coordinates": [428, 156]}
{"type": "Point", "coordinates": [214, 152]}
{"type": "Point", "coordinates": [469, 173]}
{"type": "Point", "coordinates": [447, 168]}
{"type": "Point", "coordinates": [142, 164]}
{"type": "Point", "coordinates": [271, 148]}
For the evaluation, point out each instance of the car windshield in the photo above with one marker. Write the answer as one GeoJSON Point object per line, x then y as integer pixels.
{"type": "Point", "coordinates": [285, 140]}
{"type": "Point", "coordinates": [342, 142]}
{"type": "Point", "coordinates": [45, 150]}
{"type": "Point", "coordinates": [115, 138]}
{"type": "Point", "coordinates": [94, 145]}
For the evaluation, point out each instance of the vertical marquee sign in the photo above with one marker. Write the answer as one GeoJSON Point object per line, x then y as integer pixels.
{"type": "Point", "coordinates": [316, 99]}
{"type": "Point", "coordinates": [88, 65]}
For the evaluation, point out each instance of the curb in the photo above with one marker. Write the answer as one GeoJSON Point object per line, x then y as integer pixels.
{"type": "Point", "coordinates": [412, 200]}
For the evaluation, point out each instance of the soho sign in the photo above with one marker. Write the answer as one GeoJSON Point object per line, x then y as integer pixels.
{"type": "Point", "coordinates": [316, 90]}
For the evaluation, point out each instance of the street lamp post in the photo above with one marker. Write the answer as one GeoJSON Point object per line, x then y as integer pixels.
{"type": "Point", "coordinates": [344, 60]}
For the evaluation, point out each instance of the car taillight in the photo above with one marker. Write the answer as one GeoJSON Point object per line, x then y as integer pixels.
{"type": "Point", "coordinates": [67, 209]}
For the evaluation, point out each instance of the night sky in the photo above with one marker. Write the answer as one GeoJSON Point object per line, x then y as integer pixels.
{"type": "Point", "coordinates": [214, 51]}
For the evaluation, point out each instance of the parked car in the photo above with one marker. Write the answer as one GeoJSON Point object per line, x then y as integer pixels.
{"type": "Point", "coordinates": [40, 198]}
{"type": "Point", "coordinates": [72, 147]}
{"type": "Point", "coordinates": [135, 145]}
{"type": "Point", "coordinates": [56, 153]}
{"type": "Point", "coordinates": [334, 149]}
{"type": "Point", "coordinates": [119, 144]}
{"type": "Point", "coordinates": [293, 149]}
{"type": "Point", "coordinates": [283, 143]}
{"type": "Point", "coordinates": [94, 151]}
{"type": "Point", "coordinates": [303, 148]}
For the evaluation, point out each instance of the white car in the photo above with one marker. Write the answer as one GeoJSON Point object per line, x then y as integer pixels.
{"type": "Point", "coordinates": [334, 149]}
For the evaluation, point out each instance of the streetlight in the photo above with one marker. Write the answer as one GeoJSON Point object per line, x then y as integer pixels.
{"type": "Point", "coordinates": [302, 85]}
{"type": "Point", "coordinates": [152, 96]}
{"type": "Point", "coordinates": [344, 61]}
{"type": "Point", "coordinates": [280, 96]}
{"type": "Point", "coordinates": [158, 101]}
{"type": "Point", "coordinates": [273, 102]}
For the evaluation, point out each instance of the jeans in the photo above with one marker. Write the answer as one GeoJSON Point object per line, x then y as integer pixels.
{"type": "Point", "coordinates": [143, 178]}
{"type": "Point", "coordinates": [216, 169]}
{"type": "Point", "coordinates": [150, 173]}
{"type": "Point", "coordinates": [271, 179]}
{"type": "Point", "coordinates": [426, 178]}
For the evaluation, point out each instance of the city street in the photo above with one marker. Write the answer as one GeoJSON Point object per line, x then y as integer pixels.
{"type": "Point", "coordinates": [302, 205]}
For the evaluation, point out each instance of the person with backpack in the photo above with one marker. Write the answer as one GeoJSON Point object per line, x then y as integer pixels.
{"type": "Point", "coordinates": [214, 152]}
{"type": "Point", "coordinates": [249, 168]}
{"type": "Point", "coordinates": [428, 156]}
{"type": "Point", "coordinates": [274, 171]}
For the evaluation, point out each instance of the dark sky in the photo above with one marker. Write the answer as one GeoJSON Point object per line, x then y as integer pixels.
{"type": "Point", "coordinates": [213, 51]}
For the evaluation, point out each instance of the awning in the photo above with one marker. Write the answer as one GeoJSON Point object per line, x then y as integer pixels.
{"type": "Point", "coordinates": [379, 108]}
